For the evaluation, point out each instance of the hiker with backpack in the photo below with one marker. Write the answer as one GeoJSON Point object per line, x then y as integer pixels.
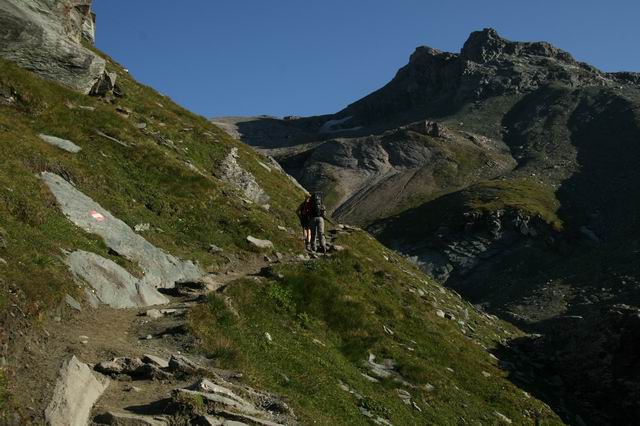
{"type": "Point", "coordinates": [317, 222]}
{"type": "Point", "coordinates": [304, 214]}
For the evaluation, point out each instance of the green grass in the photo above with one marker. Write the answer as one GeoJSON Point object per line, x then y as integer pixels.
{"type": "Point", "coordinates": [519, 194]}
{"type": "Point", "coordinates": [145, 183]}
{"type": "Point", "coordinates": [325, 317]}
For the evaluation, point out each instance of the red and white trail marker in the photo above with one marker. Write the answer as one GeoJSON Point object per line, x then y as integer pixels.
{"type": "Point", "coordinates": [97, 216]}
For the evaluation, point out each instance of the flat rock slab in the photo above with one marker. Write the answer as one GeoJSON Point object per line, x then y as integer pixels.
{"type": "Point", "coordinates": [61, 143]}
{"type": "Point", "coordinates": [161, 270]}
{"type": "Point", "coordinates": [156, 360]}
{"type": "Point", "coordinates": [77, 389]}
{"type": "Point", "coordinates": [113, 285]}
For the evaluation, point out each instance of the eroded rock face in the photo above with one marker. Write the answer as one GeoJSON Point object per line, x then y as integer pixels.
{"type": "Point", "coordinates": [77, 389]}
{"type": "Point", "coordinates": [44, 36]}
{"type": "Point", "coordinates": [233, 173]}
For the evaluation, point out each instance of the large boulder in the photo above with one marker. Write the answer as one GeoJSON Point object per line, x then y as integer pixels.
{"type": "Point", "coordinates": [44, 36]}
{"type": "Point", "coordinates": [77, 389]}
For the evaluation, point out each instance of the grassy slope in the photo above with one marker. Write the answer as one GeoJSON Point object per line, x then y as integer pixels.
{"type": "Point", "coordinates": [144, 183]}
{"type": "Point", "coordinates": [324, 319]}
{"type": "Point", "coordinates": [528, 196]}
{"type": "Point", "coordinates": [343, 301]}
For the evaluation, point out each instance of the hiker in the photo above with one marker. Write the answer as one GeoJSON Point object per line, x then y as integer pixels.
{"type": "Point", "coordinates": [317, 222]}
{"type": "Point", "coordinates": [304, 214]}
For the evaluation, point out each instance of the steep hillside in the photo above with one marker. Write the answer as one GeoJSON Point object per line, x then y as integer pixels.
{"type": "Point", "coordinates": [517, 190]}
{"type": "Point", "coordinates": [151, 273]}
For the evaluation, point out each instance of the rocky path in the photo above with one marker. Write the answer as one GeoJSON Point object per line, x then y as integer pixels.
{"type": "Point", "coordinates": [142, 373]}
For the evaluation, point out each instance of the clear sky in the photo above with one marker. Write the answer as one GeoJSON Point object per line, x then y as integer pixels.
{"type": "Point", "coordinates": [308, 57]}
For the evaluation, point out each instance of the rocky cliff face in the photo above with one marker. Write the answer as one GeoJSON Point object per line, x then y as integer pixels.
{"type": "Point", "coordinates": [45, 36]}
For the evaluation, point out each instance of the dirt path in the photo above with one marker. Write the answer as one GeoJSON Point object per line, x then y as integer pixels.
{"type": "Point", "coordinates": [95, 335]}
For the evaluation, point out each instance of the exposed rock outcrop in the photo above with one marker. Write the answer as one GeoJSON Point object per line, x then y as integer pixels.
{"type": "Point", "coordinates": [161, 270]}
{"type": "Point", "coordinates": [232, 172]}
{"type": "Point", "coordinates": [44, 36]}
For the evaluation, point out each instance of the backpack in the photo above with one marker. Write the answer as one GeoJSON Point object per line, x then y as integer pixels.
{"type": "Point", "coordinates": [317, 208]}
{"type": "Point", "coordinates": [304, 211]}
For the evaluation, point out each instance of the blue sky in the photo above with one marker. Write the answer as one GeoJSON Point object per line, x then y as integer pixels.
{"type": "Point", "coordinates": [281, 57]}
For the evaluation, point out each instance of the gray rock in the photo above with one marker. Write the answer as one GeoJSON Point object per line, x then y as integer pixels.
{"type": "Point", "coordinates": [61, 143]}
{"type": "Point", "coordinates": [73, 303]}
{"type": "Point", "coordinates": [134, 367]}
{"type": "Point", "coordinates": [116, 418]}
{"type": "Point", "coordinates": [44, 37]}
{"type": "Point", "coordinates": [183, 365]}
{"type": "Point", "coordinates": [113, 285]}
{"type": "Point", "coordinates": [233, 173]}
{"type": "Point", "coordinates": [261, 244]}
{"type": "Point", "coordinates": [381, 371]}
{"type": "Point", "coordinates": [154, 313]}
{"type": "Point", "coordinates": [215, 249]}
{"type": "Point", "coordinates": [219, 400]}
{"type": "Point", "coordinates": [152, 359]}
{"type": "Point", "coordinates": [122, 365]}
{"type": "Point", "coordinates": [161, 270]}
{"type": "Point", "coordinates": [105, 84]}
{"type": "Point", "coordinates": [76, 390]}
{"type": "Point", "coordinates": [502, 417]}
{"type": "Point", "coordinates": [142, 227]}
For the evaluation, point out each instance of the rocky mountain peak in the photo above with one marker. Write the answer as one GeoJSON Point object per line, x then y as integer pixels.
{"type": "Point", "coordinates": [484, 45]}
{"type": "Point", "coordinates": [488, 65]}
